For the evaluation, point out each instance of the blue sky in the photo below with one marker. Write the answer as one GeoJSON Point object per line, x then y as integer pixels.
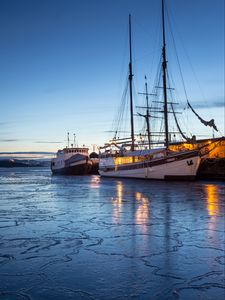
{"type": "Point", "coordinates": [64, 64]}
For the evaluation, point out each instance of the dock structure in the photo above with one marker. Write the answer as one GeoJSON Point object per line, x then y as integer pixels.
{"type": "Point", "coordinates": [212, 165]}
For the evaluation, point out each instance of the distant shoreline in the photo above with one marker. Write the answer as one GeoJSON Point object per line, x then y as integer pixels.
{"type": "Point", "coordinates": [12, 163]}
{"type": "Point", "coordinates": [29, 155]}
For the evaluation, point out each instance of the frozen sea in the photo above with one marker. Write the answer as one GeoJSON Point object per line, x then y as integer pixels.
{"type": "Point", "coordinates": [86, 237]}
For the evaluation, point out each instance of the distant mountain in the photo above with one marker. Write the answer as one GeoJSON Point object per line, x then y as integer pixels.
{"type": "Point", "coordinates": [29, 155]}
{"type": "Point", "coordinates": [10, 163]}
{"type": "Point", "coordinates": [29, 152]}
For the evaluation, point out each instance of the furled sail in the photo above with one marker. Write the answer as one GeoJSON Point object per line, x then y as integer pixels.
{"type": "Point", "coordinates": [210, 123]}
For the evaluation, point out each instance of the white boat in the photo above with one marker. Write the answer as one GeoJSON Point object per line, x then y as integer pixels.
{"type": "Point", "coordinates": [126, 159]}
{"type": "Point", "coordinates": [72, 161]}
{"type": "Point", "coordinates": [150, 164]}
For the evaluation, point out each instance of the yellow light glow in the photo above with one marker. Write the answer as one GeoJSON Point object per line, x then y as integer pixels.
{"type": "Point", "coordinates": [117, 202]}
{"type": "Point", "coordinates": [123, 160]}
{"type": "Point", "coordinates": [142, 212]}
{"type": "Point", "coordinates": [217, 150]}
{"type": "Point", "coordinates": [212, 199]}
{"type": "Point", "coordinates": [119, 192]}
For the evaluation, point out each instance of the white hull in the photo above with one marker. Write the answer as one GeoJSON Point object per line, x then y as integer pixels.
{"type": "Point", "coordinates": [180, 169]}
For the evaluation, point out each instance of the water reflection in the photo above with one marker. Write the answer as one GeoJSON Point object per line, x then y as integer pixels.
{"type": "Point", "coordinates": [117, 202]}
{"type": "Point", "coordinates": [142, 212]}
{"type": "Point", "coordinates": [140, 209]}
{"type": "Point", "coordinates": [212, 194]}
{"type": "Point", "coordinates": [95, 182]}
{"type": "Point", "coordinates": [138, 196]}
{"type": "Point", "coordinates": [62, 226]}
{"type": "Point", "coordinates": [212, 198]}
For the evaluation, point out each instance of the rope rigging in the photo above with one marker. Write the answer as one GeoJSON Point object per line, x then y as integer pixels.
{"type": "Point", "coordinates": [210, 123]}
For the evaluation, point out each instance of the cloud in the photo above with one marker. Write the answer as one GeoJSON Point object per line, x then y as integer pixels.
{"type": "Point", "coordinates": [26, 155]}
{"type": "Point", "coordinates": [209, 104]}
{"type": "Point", "coordinates": [36, 142]}
{"type": "Point", "coordinates": [46, 142]}
{"type": "Point", "coordinates": [6, 123]}
{"type": "Point", "coordinates": [29, 152]}
{"type": "Point", "coordinates": [8, 140]}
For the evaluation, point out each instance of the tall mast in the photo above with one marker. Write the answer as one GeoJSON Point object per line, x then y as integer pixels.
{"type": "Point", "coordinates": [147, 113]}
{"type": "Point", "coordinates": [164, 67]}
{"type": "Point", "coordinates": [68, 139]}
{"type": "Point", "coordinates": [131, 94]}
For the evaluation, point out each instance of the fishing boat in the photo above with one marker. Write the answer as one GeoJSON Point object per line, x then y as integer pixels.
{"type": "Point", "coordinates": [126, 158]}
{"type": "Point", "coordinates": [74, 161]}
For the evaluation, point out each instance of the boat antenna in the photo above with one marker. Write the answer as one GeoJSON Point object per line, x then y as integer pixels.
{"type": "Point", "coordinates": [74, 139]}
{"type": "Point", "coordinates": [164, 67]}
{"type": "Point", "coordinates": [131, 94]}
{"type": "Point", "coordinates": [68, 139]}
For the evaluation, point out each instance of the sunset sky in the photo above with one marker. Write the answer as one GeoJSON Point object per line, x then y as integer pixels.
{"type": "Point", "coordinates": [63, 65]}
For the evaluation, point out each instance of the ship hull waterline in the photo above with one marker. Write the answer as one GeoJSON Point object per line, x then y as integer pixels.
{"type": "Point", "coordinates": [78, 169]}
{"type": "Point", "coordinates": [178, 169]}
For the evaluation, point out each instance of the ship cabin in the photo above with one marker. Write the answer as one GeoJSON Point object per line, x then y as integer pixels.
{"type": "Point", "coordinates": [82, 150]}
{"type": "Point", "coordinates": [66, 153]}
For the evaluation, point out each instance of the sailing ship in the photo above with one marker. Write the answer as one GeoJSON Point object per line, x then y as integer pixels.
{"type": "Point", "coordinates": [124, 158]}
{"type": "Point", "coordinates": [74, 161]}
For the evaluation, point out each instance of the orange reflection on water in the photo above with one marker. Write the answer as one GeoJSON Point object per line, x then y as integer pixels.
{"type": "Point", "coordinates": [212, 193]}
{"type": "Point", "coordinates": [119, 192]}
{"type": "Point", "coordinates": [212, 199]}
{"type": "Point", "coordinates": [117, 202]}
{"type": "Point", "coordinates": [142, 212]}
{"type": "Point", "coordinates": [138, 196]}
